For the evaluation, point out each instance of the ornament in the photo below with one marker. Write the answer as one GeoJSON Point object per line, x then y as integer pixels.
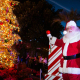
{"type": "Point", "coordinates": [7, 20]}
{"type": "Point", "coordinates": [10, 3]}
{"type": "Point", "coordinates": [17, 25]}
{"type": "Point", "coordinates": [6, 40]}
{"type": "Point", "coordinates": [7, 9]}
{"type": "Point", "coordinates": [19, 40]}
{"type": "Point", "coordinates": [9, 50]}
{"type": "Point", "coordinates": [1, 23]}
{"type": "Point", "coordinates": [13, 32]}
{"type": "Point", "coordinates": [14, 4]}
{"type": "Point", "coordinates": [47, 32]}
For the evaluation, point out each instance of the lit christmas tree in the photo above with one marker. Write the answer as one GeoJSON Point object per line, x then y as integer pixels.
{"type": "Point", "coordinates": [8, 23]}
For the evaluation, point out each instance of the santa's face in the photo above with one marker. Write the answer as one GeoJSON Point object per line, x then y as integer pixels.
{"type": "Point", "coordinates": [71, 29]}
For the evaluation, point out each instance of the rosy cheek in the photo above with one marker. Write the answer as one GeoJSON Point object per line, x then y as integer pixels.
{"type": "Point", "coordinates": [73, 28]}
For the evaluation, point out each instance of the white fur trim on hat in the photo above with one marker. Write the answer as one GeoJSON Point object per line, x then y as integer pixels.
{"type": "Point", "coordinates": [64, 32]}
{"type": "Point", "coordinates": [71, 23]}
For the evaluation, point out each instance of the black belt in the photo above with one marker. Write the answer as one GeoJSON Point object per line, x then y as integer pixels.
{"type": "Point", "coordinates": [71, 57]}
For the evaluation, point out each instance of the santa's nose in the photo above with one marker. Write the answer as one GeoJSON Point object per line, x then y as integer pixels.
{"type": "Point", "coordinates": [70, 28]}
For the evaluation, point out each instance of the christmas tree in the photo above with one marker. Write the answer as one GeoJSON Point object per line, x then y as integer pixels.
{"type": "Point", "coordinates": [8, 23]}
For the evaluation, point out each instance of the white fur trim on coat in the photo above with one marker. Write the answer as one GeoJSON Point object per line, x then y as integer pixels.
{"type": "Point", "coordinates": [65, 69]}
{"type": "Point", "coordinates": [70, 70]}
{"type": "Point", "coordinates": [71, 40]}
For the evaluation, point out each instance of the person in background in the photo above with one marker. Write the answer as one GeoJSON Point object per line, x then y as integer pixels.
{"type": "Point", "coordinates": [40, 62]}
{"type": "Point", "coordinates": [34, 63]}
{"type": "Point", "coordinates": [18, 59]}
{"type": "Point", "coordinates": [45, 64]}
{"type": "Point", "coordinates": [40, 59]}
{"type": "Point", "coordinates": [27, 60]}
{"type": "Point", "coordinates": [21, 59]}
{"type": "Point", "coordinates": [45, 60]}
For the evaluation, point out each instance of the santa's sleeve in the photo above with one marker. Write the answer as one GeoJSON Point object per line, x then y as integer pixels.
{"type": "Point", "coordinates": [55, 41]}
{"type": "Point", "coordinates": [79, 46]}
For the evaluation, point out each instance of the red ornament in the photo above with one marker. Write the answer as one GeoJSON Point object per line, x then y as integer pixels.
{"type": "Point", "coordinates": [1, 23]}
{"type": "Point", "coordinates": [7, 9]}
{"type": "Point", "coordinates": [47, 32]}
{"type": "Point", "coordinates": [10, 3]}
{"type": "Point", "coordinates": [17, 25]}
{"type": "Point", "coordinates": [7, 20]}
{"type": "Point", "coordinates": [14, 4]}
{"type": "Point", "coordinates": [11, 29]}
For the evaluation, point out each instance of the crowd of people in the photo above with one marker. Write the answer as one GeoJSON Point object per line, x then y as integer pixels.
{"type": "Point", "coordinates": [28, 68]}
{"type": "Point", "coordinates": [36, 63]}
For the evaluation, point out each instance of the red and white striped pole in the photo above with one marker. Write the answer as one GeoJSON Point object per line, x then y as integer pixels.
{"type": "Point", "coordinates": [55, 54]}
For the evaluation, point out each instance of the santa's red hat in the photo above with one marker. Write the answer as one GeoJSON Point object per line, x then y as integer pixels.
{"type": "Point", "coordinates": [70, 23]}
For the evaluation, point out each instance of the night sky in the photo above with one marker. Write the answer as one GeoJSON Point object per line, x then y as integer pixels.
{"type": "Point", "coordinates": [66, 4]}
{"type": "Point", "coordinates": [63, 4]}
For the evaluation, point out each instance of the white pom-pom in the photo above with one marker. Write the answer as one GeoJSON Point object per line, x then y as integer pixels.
{"type": "Point", "coordinates": [64, 32]}
{"type": "Point", "coordinates": [49, 35]}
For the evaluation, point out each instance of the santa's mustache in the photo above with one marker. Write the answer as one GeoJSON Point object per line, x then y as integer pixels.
{"type": "Point", "coordinates": [70, 34]}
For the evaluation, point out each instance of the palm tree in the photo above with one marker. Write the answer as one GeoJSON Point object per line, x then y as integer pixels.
{"type": "Point", "coordinates": [67, 16]}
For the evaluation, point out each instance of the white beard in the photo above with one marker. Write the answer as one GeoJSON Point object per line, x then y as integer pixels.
{"type": "Point", "coordinates": [69, 34]}
{"type": "Point", "coordinates": [72, 34]}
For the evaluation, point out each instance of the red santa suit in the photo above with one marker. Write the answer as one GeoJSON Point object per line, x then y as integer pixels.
{"type": "Point", "coordinates": [69, 47]}
{"type": "Point", "coordinates": [70, 63]}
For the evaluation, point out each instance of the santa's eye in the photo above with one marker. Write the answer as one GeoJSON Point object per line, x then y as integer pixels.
{"type": "Point", "coordinates": [67, 28]}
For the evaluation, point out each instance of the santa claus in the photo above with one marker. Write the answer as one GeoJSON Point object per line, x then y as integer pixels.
{"type": "Point", "coordinates": [70, 43]}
